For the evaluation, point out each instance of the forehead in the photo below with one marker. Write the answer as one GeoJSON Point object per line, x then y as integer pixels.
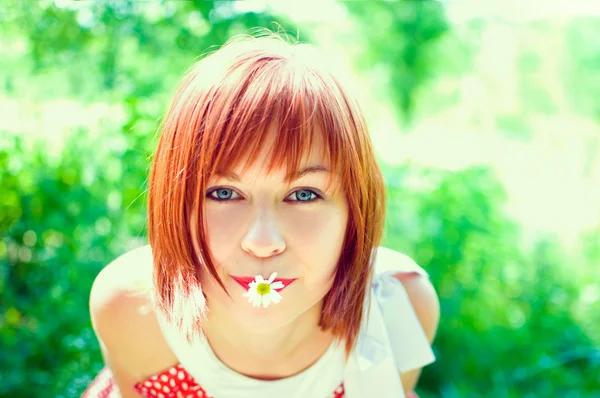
{"type": "Point", "coordinates": [272, 158]}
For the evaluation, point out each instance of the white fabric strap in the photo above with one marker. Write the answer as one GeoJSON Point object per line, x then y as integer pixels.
{"type": "Point", "coordinates": [392, 340]}
{"type": "Point", "coordinates": [408, 340]}
{"type": "Point", "coordinates": [371, 370]}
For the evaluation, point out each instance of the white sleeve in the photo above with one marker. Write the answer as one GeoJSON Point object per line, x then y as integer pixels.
{"type": "Point", "coordinates": [389, 261]}
{"type": "Point", "coordinates": [409, 344]}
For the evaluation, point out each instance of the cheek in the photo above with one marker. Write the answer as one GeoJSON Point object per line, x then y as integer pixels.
{"type": "Point", "coordinates": [323, 227]}
{"type": "Point", "coordinates": [315, 238]}
{"type": "Point", "coordinates": [224, 227]}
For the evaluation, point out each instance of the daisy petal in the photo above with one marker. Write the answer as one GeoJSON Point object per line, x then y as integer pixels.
{"type": "Point", "coordinates": [277, 285]}
{"type": "Point", "coordinates": [275, 297]}
{"type": "Point", "coordinates": [272, 277]}
{"type": "Point", "coordinates": [266, 300]}
{"type": "Point", "coordinates": [259, 279]}
{"type": "Point", "coordinates": [256, 300]}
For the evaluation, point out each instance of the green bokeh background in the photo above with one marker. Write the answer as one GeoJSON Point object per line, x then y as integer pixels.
{"type": "Point", "coordinates": [83, 87]}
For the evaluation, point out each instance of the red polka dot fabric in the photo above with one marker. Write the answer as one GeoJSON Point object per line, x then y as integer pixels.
{"type": "Point", "coordinates": [339, 392]}
{"type": "Point", "coordinates": [174, 382]}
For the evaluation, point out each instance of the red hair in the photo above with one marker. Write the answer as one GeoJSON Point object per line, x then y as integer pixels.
{"type": "Point", "coordinates": [222, 112]}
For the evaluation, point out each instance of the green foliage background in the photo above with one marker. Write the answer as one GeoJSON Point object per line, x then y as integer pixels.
{"type": "Point", "coordinates": [519, 313]}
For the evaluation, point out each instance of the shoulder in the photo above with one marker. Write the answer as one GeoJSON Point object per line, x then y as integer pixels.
{"type": "Point", "coordinates": [419, 288]}
{"type": "Point", "coordinates": [123, 317]}
{"type": "Point", "coordinates": [424, 300]}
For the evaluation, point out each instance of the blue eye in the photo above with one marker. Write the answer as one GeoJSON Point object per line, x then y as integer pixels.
{"type": "Point", "coordinates": [222, 194]}
{"type": "Point", "coordinates": [304, 195]}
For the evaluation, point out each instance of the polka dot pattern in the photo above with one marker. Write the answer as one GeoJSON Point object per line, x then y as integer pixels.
{"type": "Point", "coordinates": [339, 392]}
{"type": "Point", "coordinates": [174, 382]}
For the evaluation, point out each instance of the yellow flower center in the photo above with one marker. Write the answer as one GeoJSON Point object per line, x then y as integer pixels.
{"type": "Point", "coordinates": [263, 288]}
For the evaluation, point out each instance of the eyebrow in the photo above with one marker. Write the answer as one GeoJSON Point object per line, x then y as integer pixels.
{"type": "Point", "coordinates": [301, 173]}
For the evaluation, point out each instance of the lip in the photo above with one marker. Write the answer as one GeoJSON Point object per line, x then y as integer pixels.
{"type": "Point", "coordinates": [244, 281]}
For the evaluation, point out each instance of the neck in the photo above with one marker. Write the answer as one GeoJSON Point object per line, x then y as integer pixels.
{"type": "Point", "coordinates": [280, 352]}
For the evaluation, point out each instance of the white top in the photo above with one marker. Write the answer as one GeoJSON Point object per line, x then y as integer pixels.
{"type": "Point", "coordinates": [391, 341]}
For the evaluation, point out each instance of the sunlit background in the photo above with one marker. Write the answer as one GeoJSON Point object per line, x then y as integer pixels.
{"type": "Point", "coordinates": [485, 116]}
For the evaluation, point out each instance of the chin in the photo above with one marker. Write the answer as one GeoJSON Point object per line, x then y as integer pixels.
{"type": "Point", "coordinates": [260, 319]}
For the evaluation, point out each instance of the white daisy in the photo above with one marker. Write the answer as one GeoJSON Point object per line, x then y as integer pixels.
{"type": "Point", "coordinates": [263, 291]}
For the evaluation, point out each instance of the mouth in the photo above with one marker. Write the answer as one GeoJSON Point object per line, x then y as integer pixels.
{"type": "Point", "coordinates": [244, 281]}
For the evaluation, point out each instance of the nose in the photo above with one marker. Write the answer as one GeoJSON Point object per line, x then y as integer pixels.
{"type": "Point", "coordinates": [263, 239]}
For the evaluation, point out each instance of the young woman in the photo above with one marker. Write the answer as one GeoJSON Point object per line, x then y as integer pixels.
{"type": "Point", "coordinates": [263, 275]}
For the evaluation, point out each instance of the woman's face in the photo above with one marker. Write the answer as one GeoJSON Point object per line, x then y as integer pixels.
{"type": "Point", "coordinates": [256, 224]}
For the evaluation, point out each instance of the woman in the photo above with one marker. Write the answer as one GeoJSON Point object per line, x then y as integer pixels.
{"type": "Point", "coordinates": [263, 276]}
